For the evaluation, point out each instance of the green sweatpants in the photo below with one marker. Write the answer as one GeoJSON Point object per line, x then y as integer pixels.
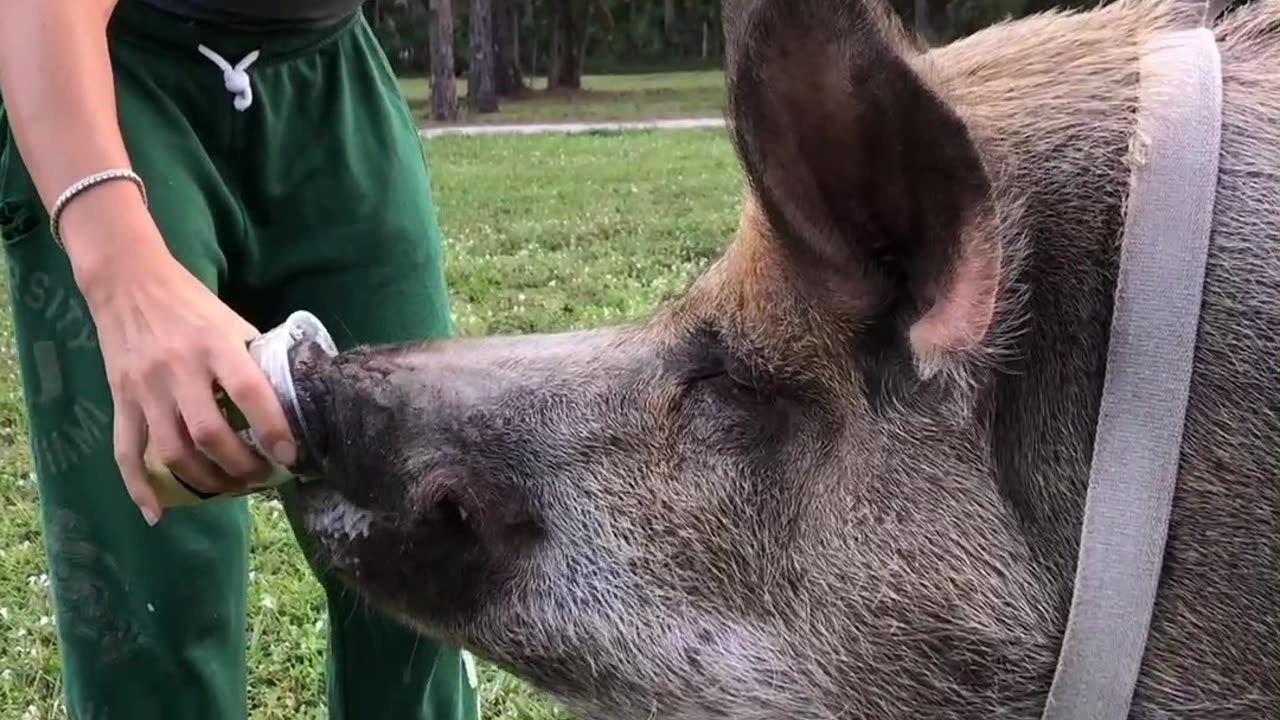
{"type": "Point", "coordinates": [313, 197]}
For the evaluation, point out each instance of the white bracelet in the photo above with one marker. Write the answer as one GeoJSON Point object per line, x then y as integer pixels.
{"type": "Point", "coordinates": [96, 179]}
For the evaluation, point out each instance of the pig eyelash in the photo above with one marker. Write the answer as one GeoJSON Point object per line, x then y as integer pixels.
{"type": "Point", "coordinates": [708, 360]}
{"type": "Point", "coordinates": [711, 365]}
{"type": "Point", "coordinates": [723, 374]}
{"type": "Point", "coordinates": [704, 376]}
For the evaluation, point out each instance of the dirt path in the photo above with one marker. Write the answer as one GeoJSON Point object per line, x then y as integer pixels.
{"type": "Point", "coordinates": [578, 127]}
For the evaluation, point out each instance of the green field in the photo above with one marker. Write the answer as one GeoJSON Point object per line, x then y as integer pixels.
{"type": "Point", "coordinates": [602, 98]}
{"type": "Point", "coordinates": [544, 233]}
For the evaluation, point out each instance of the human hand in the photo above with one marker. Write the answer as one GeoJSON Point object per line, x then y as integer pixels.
{"type": "Point", "coordinates": [166, 340]}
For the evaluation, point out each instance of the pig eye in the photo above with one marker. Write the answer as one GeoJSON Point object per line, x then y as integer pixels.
{"type": "Point", "coordinates": [709, 363]}
{"type": "Point", "coordinates": [741, 378]}
{"type": "Point", "coordinates": [727, 376]}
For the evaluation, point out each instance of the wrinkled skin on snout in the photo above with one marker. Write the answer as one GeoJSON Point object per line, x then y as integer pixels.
{"type": "Point", "coordinates": [842, 477]}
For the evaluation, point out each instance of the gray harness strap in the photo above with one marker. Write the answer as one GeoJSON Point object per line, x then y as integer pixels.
{"type": "Point", "coordinates": [1149, 363]}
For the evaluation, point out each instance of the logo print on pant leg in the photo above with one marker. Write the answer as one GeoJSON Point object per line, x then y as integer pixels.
{"type": "Point", "coordinates": [48, 372]}
{"type": "Point", "coordinates": [84, 428]}
{"type": "Point", "coordinates": [16, 221]}
{"type": "Point", "coordinates": [85, 434]}
{"type": "Point", "coordinates": [62, 308]}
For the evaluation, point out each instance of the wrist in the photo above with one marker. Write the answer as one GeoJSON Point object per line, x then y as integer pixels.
{"type": "Point", "coordinates": [107, 232]}
{"type": "Point", "coordinates": [86, 184]}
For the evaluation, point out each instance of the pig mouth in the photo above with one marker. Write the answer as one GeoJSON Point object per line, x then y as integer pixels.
{"type": "Point", "coordinates": [335, 532]}
{"type": "Point", "coordinates": [339, 522]}
{"type": "Point", "coordinates": [392, 563]}
{"type": "Point", "coordinates": [336, 526]}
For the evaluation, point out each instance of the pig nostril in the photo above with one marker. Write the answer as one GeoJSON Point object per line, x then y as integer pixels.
{"type": "Point", "coordinates": [449, 510]}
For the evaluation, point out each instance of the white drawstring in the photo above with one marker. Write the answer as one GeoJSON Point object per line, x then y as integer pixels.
{"type": "Point", "coordinates": [235, 78]}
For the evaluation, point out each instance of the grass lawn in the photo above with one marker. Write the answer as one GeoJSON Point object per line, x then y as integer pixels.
{"type": "Point", "coordinates": [544, 233]}
{"type": "Point", "coordinates": [602, 98]}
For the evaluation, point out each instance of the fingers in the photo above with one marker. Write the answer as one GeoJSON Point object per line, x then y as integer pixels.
{"type": "Point", "coordinates": [130, 436]}
{"type": "Point", "coordinates": [171, 445]}
{"type": "Point", "coordinates": [210, 432]}
{"type": "Point", "coordinates": [249, 389]}
{"type": "Point", "coordinates": [188, 433]}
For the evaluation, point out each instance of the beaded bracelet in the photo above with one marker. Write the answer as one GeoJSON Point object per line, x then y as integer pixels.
{"type": "Point", "coordinates": [96, 179]}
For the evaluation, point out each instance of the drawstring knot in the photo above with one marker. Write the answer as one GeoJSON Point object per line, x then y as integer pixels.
{"type": "Point", "coordinates": [234, 78]}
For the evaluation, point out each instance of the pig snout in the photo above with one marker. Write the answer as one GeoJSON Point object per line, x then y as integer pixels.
{"type": "Point", "coordinates": [309, 405]}
{"type": "Point", "coordinates": [398, 491]}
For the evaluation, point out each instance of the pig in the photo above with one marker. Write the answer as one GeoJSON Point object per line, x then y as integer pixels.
{"type": "Point", "coordinates": [843, 475]}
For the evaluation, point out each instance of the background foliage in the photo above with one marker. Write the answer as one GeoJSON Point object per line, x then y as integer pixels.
{"type": "Point", "coordinates": [562, 39]}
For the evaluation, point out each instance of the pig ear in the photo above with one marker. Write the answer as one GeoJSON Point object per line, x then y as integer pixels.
{"type": "Point", "coordinates": [861, 169]}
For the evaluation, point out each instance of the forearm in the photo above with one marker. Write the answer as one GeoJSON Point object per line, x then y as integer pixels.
{"type": "Point", "coordinates": [58, 89]}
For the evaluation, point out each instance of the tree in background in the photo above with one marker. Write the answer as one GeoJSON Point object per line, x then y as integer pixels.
{"type": "Point", "coordinates": [568, 42]}
{"type": "Point", "coordinates": [444, 91]}
{"type": "Point", "coordinates": [508, 77]}
{"type": "Point", "coordinates": [482, 91]}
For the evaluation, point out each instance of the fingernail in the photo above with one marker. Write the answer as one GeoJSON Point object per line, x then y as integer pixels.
{"type": "Point", "coordinates": [150, 516]}
{"type": "Point", "coordinates": [284, 452]}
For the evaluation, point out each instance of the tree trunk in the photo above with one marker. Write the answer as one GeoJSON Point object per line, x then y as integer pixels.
{"type": "Point", "coordinates": [584, 29]}
{"type": "Point", "coordinates": [507, 76]}
{"type": "Point", "coordinates": [669, 21]}
{"type": "Point", "coordinates": [570, 38]}
{"type": "Point", "coordinates": [516, 63]}
{"type": "Point", "coordinates": [553, 47]}
{"type": "Point", "coordinates": [531, 54]}
{"type": "Point", "coordinates": [444, 92]}
{"type": "Point", "coordinates": [481, 91]}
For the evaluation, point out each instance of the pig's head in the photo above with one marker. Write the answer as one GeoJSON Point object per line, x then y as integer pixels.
{"type": "Point", "coordinates": [789, 493]}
